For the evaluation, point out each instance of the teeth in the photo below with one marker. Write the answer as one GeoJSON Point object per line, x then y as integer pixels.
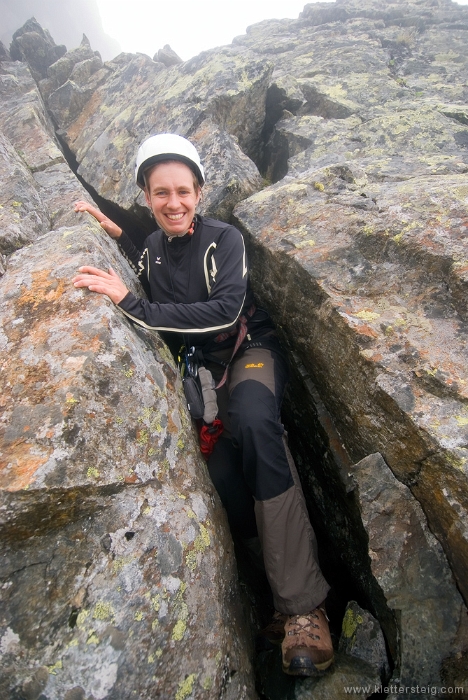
{"type": "Point", "coordinates": [175, 217]}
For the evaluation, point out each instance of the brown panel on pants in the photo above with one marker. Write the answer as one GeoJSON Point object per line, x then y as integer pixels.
{"type": "Point", "coordinates": [288, 540]}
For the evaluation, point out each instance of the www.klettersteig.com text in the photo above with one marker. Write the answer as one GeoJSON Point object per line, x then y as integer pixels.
{"type": "Point", "coordinates": [400, 689]}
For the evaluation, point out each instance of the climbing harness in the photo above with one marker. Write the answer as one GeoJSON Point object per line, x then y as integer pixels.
{"type": "Point", "coordinates": [241, 330]}
{"type": "Point", "coordinates": [199, 385]}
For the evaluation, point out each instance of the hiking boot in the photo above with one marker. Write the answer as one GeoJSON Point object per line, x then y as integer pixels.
{"type": "Point", "coordinates": [307, 647]}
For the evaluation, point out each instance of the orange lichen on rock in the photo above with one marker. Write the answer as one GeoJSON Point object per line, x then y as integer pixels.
{"type": "Point", "coordinates": [18, 465]}
{"type": "Point", "coordinates": [365, 329]}
{"type": "Point", "coordinates": [43, 288]}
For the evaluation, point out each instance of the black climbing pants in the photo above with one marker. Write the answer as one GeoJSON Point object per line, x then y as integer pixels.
{"type": "Point", "coordinates": [255, 476]}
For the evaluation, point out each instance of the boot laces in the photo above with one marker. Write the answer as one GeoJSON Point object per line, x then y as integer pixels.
{"type": "Point", "coordinates": [305, 626]}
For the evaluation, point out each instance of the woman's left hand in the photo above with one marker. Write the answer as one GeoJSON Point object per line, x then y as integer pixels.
{"type": "Point", "coordinates": [97, 280]}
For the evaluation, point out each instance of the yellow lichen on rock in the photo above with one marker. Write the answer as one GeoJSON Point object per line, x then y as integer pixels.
{"type": "Point", "coordinates": [103, 611]}
{"type": "Point", "coordinates": [179, 630]}
{"type": "Point", "coordinates": [350, 623]}
{"type": "Point", "coordinates": [186, 687]}
{"type": "Point", "coordinates": [55, 667]}
{"type": "Point", "coordinates": [366, 315]}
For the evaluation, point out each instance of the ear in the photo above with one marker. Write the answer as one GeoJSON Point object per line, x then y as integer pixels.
{"type": "Point", "coordinates": [147, 197]}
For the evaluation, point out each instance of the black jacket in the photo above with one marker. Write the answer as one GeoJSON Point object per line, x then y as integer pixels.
{"type": "Point", "coordinates": [197, 285]}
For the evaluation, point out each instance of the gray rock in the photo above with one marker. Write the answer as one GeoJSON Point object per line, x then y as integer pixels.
{"type": "Point", "coordinates": [67, 102]}
{"type": "Point", "coordinates": [23, 217]}
{"type": "Point", "coordinates": [83, 70]}
{"type": "Point", "coordinates": [38, 186]}
{"type": "Point", "coordinates": [361, 636]}
{"type": "Point", "coordinates": [78, 65]}
{"type": "Point", "coordinates": [410, 566]}
{"type": "Point", "coordinates": [34, 45]}
{"type": "Point", "coordinates": [345, 673]}
{"type": "Point", "coordinates": [4, 53]}
{"type": "Point", "coordinates": [223, 156]}
{"type": "Point", "coordinates": [23, 118]}
{"type": "Point", "coordinates": [118, 570]}
{"type": "Point", "coordinates": [336, 684]}
{"type": "Point", "coordinates": [62, 69]}
{"type": "Point", "coordinates": [167, 56]}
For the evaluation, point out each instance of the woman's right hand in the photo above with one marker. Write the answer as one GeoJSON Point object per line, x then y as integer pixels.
{"type": "Point", "coordinates": [109, 226]}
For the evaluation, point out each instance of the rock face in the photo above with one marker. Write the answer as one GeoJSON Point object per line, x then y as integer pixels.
{"type": "Point", "coordinates": [38, 187]}
{"type": "Point", "coordinates": [117, 565]}
{"type": "Point", "coordinates": [33, 44]}
{"type": "Point", "coordinates": [167, 56]}
{"type": "Point", "coordinates": [362, 637]}
{"type": "Point", "coordinates": [412, 570]}
{"type": "Point", "coordinates": [356, 114]}
{"type": "Point", "coordinates": [116, 561]}
{"type": "Point", "coordinates": [360, 249]}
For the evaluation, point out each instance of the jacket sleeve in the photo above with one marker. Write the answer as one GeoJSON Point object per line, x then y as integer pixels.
{"type": "Point", "coordinates": [138, 260]}
{"type": "Point", "coordinates": [225, 274]}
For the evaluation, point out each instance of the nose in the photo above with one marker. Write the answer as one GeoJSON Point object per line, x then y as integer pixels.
{"type": "Point", "coordinates": [173, 200]}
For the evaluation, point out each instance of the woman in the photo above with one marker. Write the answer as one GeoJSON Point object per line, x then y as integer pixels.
{"type": "Point", "coordinates": [195, 274]}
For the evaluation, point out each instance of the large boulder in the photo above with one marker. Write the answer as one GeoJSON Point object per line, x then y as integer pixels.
{"type": "Point", "coordinates": [359, 251]}
{"type": "Point", "coordinates": [167, 56]}
{"type": "Point", "coordinates": [117, 565]}
{"type": "Point", "coordinates": [106, 565]}
{"type": "Point", "coordinates": [370, 297]}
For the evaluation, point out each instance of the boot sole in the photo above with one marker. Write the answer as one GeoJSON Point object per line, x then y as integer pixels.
{"type": "Point", "coordinates": [303, 666]}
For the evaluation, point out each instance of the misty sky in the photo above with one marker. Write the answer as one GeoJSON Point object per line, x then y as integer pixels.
{"type": "Point", "coordinates": [188, 26]}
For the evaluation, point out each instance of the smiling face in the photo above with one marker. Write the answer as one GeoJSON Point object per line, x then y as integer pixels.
{"type": "Point", "coordinates": [172, 196]}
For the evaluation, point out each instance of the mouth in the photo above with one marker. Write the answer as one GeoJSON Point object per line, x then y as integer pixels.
{"type": "Point", "coordinates": [175, 217]}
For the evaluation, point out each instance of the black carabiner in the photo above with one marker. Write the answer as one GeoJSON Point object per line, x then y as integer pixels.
{"type": "Point", "coordinates": [191, 363]}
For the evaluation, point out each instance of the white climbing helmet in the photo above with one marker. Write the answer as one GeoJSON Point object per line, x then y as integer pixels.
{"type": "Point", "coordinates": [167, 147]}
